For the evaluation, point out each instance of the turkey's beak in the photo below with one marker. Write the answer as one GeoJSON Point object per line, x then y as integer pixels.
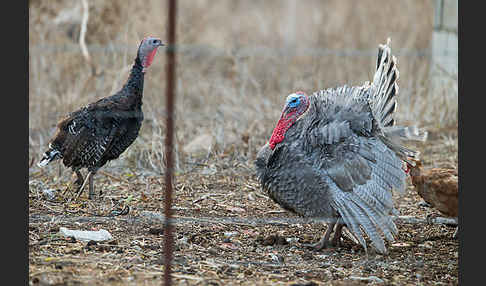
{"type": "Point", "coordinates": [288, 112]}
{"type": "Point", "coordinates": [285, 110]}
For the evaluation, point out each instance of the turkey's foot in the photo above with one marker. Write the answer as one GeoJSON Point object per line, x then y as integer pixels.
{"type": "Point", "coordinates": [324, 242]}
{"type": "Point", "coordinates": [336, 240]}
{"type": "Point", "coordinates": [320, 245]}
{"type": "Point", "coordinates": [430, 217]}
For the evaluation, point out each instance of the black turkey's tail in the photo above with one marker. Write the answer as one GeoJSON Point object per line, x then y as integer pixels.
{"type": "Point", "coordinates": [384, 87]}
{"type": "Point", "coordinates": [50, 155]}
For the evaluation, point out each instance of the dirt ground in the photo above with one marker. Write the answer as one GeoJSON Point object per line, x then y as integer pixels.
{"type": "Point", "coordinates": [227, 232]}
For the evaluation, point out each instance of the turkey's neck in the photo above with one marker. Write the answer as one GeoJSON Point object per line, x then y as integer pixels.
{"type": "Point", "coordinates": [134, 84]}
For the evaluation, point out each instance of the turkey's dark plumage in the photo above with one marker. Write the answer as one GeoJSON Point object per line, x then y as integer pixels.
{"type": "Point", "coordinates": [336, 155]}
{"type": "Point", "coordinates": [101, 131]}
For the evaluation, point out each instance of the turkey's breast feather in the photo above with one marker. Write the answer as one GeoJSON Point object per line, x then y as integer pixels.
{"type": "Point", "coordinates": [98, 132]}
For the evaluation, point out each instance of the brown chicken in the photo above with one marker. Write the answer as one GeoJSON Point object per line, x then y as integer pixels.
{"type": "Point", "coordinates": [438, 187]}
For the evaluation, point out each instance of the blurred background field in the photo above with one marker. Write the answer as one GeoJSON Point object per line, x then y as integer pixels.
{"type": "Point", "coordinates": [237, 61]}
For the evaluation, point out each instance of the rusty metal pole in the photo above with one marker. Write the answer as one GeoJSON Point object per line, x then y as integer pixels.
{"type": "Point", "coordinates": [169, 138]}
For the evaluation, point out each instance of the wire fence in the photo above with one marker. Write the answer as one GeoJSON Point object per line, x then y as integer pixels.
{"type": "Point", "coordinates": [248, 50]}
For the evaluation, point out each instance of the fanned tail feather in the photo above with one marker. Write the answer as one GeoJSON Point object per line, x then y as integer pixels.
{"type": "Point", "coordinates": [384, 88]}
{"type": "Point", "coordinates": [383, 93]}
{"type": "Point", "coordinates": [406, 154]}
{"type": "Point", "coordinates": [405, 133]}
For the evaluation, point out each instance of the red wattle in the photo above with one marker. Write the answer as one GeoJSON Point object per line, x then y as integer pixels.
{"type": "Point", "coordinates": [150, 58]}
{"type": "Point", "coordinates": [407, 168]}
{"type": "Point", "coordinates": [278, 133]}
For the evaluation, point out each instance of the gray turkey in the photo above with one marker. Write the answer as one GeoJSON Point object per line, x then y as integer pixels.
{"type": "Point", "coordinates": [101, 131]}
{"type": "Point", "coordinates": [337, 154]}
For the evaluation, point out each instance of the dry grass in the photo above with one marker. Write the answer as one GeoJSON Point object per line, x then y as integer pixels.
{"type": "Point", "coordinates": [237, 62]}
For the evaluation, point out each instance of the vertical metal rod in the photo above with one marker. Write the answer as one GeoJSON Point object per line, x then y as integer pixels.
{"type": "Point", "coordinates": [170, 94]}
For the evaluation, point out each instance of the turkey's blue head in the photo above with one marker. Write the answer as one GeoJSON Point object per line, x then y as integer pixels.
{"type": "Point", "coordinates": [296, 105]}
{"type": "Point", "coordinates": [147, 50]}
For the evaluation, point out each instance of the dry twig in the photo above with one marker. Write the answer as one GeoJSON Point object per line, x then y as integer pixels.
{"type": "Point", "coordinates": [82, 32]}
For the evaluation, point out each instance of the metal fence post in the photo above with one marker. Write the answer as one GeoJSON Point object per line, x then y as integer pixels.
{"type": "Point", "coordinates": [170, 95]}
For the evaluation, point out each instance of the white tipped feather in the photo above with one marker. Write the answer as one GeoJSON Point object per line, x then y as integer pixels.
{"type": "Point", "coordinates": [43, 163]}
{"type": "Point", "coordinates": [49, 156]}
{"type": "Point", "coordinates": [405, 133]}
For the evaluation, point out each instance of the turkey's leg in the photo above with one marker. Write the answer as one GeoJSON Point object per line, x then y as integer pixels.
{"type": "Point", "coordinates": [324, 242]}
{"type": "Point", "coordinates": [80, 179]}
{"type": "Point", "coordinates": [88, 178]}
{"type": "Point", "coordinates": [91, 186]}
{"type": "Point", "coordinates": [59, 171]}
{"type": "Point", "coordinates": [336, 240]}
{"type": "Point", "coordinates": [78, 183]}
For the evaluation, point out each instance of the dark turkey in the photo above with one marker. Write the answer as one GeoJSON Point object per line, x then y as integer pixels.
{"type": "Point", "coordinates": [101, 131]}
{"type": "Point", "coordinates": [336, 156]}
